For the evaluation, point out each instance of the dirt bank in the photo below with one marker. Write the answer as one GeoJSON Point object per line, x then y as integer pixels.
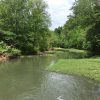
{"type": "Point", "coordinates": [3, 57]}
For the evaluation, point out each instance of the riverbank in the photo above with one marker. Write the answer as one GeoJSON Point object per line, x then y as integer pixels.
{"type": "Point", "coordinates": [72, 53]}
{"type": "Point", "coordinates": [3, 58]}
{"type": "Point", "coordinates": [89, 68]}
{"type": "Point", "coordinates": [7, 52]}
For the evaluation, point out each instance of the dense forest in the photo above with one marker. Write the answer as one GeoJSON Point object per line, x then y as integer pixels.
{"type": "Point", "coordinates": [82, 29]}
{"type": "Point", "coordinates": [24, 27]}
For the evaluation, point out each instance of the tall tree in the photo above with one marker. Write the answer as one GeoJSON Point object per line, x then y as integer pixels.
{"type": "Point", "coordinates": [86, 18]}
{"type": "Point", "coordinates": [28, 19]}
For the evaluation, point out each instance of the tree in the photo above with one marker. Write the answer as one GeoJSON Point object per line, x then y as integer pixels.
{"type": "Point", "coordinates": [86, 18]}
{"type": "Point", "coordinates": [28, 20]}
{"type": "Point", "coordinates": [58, 31]}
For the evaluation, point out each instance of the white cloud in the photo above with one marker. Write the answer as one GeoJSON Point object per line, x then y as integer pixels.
{"type": "Point", "coordinates": [59, 10]}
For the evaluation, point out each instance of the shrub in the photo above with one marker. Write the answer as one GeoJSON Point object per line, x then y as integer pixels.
{"type": "Point", "coordinates": [7, 37]}
{"type": "Point", "coordinates": [11, 52]}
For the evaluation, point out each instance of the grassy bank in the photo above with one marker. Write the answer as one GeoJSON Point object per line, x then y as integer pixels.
{"type": "Point", "coordinates": [71, 53]}
{"type": "Point", "coordinates": [82, 67]}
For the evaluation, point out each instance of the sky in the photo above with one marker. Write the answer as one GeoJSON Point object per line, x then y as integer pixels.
{"type": "Point", "coordinates": [59, 10]}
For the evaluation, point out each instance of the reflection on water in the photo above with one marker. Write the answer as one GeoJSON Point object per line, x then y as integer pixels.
{"type": "Point", "coordinates": [26, 79]}
{"type": "Point", "coordinates": [71, 55]}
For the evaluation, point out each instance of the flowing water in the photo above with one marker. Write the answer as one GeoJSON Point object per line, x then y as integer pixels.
{"type": "Point", "coordinates": [26, 79]}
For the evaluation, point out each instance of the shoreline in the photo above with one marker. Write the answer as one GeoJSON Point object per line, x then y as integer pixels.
{"type": "Point", "coordinates": [88, 68]}
{"type": "Point", "coordinates": [4, 58]}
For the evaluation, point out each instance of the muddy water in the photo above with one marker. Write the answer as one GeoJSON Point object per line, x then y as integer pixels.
{"type": "Point", "coordinates": [26, 79]}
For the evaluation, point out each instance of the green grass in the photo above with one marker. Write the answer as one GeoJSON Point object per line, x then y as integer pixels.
{"type": "Point", "coordinates": [71, 53]}
{"type": "Point", "coordinates": [70, 50]}
{"type": "Point", "coordinates": [82, 67]}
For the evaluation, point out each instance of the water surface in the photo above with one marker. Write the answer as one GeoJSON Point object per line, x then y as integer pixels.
{"type": "Point", "coordinates": [26, 79]}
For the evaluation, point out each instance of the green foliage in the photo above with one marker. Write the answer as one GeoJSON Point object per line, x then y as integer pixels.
{"type": "Point", "coordinates": [54, 39]}
{"type": "Point", "coordinates": [28, 20]}
{"type": "Point", "coordinates": [93, 38]}
{"type": "Point", "coordinates": [76, 38]}
{"type": "Point", "coordinates": [7, 50]}
{"type": "Point", "coordinates": [7, 37]}
{"type": "Point", "coordinates": [59, 37]}
{"type": "Point", "coordinates": [58, 31]}
{"type": "Point", "coordinates": [81, 30]}
{"type": "Point", "coordinates": [24, 25]}
{"type": "Point", "coordinates": [82, 67]}
{"type": "Point", "coordinates": [13, 52]}
{"type": "Point", "coordinates": [87, 15]}
{"type": "Point", "coordinates": [3, 47]}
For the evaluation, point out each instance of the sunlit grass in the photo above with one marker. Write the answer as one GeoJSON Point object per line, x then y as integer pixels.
{"type": "Point", "coordinates": [71, 50]}
{"type": "Point", "coordinates": [83, 67]}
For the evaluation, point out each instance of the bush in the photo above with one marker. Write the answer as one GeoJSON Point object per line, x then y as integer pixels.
{"type": "Point", "coordinates": [76, 38]}
{"type": "Point", "coordinates": [3, 47]}
{"type": "Point", "coordinates": [7, 37]}
{"type": "Point", "coordinates": [7, 50]}
{"type": "Point", "coordinates": [13, 52]}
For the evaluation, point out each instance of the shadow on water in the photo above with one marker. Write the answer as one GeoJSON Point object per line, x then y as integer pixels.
{"type": "Point", "coordinates": [26, 79]}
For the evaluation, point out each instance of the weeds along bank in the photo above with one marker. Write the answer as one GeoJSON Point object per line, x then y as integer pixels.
{"type": "Point", "coordinates": [7, 52]}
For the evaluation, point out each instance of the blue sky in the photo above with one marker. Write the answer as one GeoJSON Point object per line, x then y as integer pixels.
{"type": "Point", "coordinates": [59, 10]}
